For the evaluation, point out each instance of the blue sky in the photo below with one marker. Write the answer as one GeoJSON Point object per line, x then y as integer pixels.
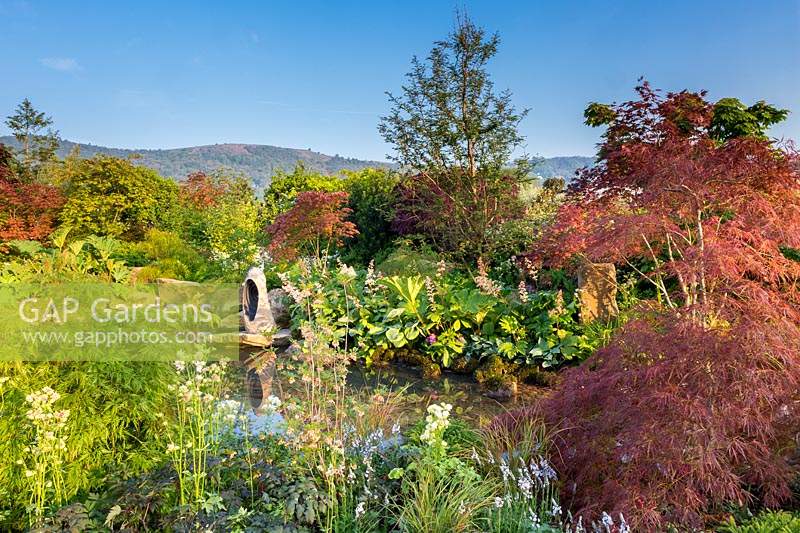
{"type": "Point", "coordinates": [313, 74]}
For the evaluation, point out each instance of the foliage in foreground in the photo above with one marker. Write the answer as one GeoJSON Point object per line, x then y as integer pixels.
{"type": "Point", "coordinates": [113, 416]}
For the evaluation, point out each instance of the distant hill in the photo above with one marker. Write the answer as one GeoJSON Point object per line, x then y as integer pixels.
{"type": "Point", "coordinates": [561, 166]}
{"type": "Point", "coordinates": [261, 161]}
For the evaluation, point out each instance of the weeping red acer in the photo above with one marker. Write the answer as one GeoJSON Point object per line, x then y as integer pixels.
{"type": "Point", "coordinates": [317, 221]}
{"type": "Point", "coordinates": [694, 403]}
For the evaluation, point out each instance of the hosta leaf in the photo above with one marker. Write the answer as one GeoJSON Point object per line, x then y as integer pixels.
{"type": "Point", "coordinates": [394, 313]}
{"type": "Point", "coordinates": [396, 337]}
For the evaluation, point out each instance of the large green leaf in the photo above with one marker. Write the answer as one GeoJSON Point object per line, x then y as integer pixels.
{"type": "Point", "coordinates": [396, 337]}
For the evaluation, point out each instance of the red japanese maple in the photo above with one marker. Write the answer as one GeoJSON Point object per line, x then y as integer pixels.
{"type": "Point", "coordinates": [695, 402]}
{"type": "Point", "coordinates": [202, 190]}
{"type": "Point", "coordinates": [317, 221]}
{"type": "Point", "coordinates": [27, 210]}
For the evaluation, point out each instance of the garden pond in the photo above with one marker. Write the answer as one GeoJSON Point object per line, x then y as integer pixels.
{"type": "Point", "coordinates": [406, 386]}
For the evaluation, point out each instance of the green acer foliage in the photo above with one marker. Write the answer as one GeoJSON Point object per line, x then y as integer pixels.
{"type": "Point", "coordinates": [732, 119]}
{"type": "Point", "coordinates": [111, 196]}
{"type": "Point", "coordinates": [766, 522]}
{"type": "Point", "coordinates": [285, 187]}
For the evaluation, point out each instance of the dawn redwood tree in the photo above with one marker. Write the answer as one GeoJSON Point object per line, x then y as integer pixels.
{"type": "Point", "coordinates": [695, 401]}
{"type": "Point", "coordinates": [317, 221]}
{"type": "Point", "coordinates": [28, 211]}
{"type": "Point", "coordinates": [455, 136]}
{"type": "Point", "coordinates": [38, 141]}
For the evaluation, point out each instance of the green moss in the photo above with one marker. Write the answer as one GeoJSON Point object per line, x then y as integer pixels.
{"type": "Point", "coordinates": [381, 357]}
{"type": "Point", "coordinates": [464, 365]}
{"type": "Point", "coordinates": [431, 370]}
{"type": "Point", "coordinates": [496, 371]}
{"type": "Point", "coordinates": [533, 375]}
{"type": "Point", "coordinates": [411, 357]}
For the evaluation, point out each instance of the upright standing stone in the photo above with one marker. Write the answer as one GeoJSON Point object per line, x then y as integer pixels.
{"type": "Point", "coordinates": [597, 291]}
{"type": "Point", "coordinates": [256, 311]}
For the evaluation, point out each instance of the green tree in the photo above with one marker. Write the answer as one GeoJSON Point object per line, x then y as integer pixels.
{"type": "Point", "coordinates": [234, 229]}
{"type": "Point", "coordinates": [111, 196]}
{"type": "Point", "coordinates": [372, 200]}
{"type": "Point", "coordinates": [733, 119]}
{"type": "Point", "coordinates": [456, 135]}
{"type": "Point", "coordinates": [730, 118]}
{"type": "Point", "coordinates": [220, 215]}
{"type": "Point", "coordinates": [449, 119]}
{"type": "Point", "coordinates": [285, 187]}
{"type": "Point", "coordinates": [37, 139]}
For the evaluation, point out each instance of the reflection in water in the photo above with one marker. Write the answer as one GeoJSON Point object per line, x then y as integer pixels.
{"type": "Point", "coordinates": [468, 399]}
{"type": "Point", "coordinates": [466, 396]}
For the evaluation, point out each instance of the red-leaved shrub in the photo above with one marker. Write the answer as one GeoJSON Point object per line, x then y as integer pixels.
{"type": "Point", "coordinates": [27, 210]}
{"type": "Point", "coordinates": [201, 190]}
{"type": "Point", "coordinates": [694, 403]}
{"type": "Point", "coordinates": [317, 221]}
{"type": "Point", "coordinates": [455, 212]}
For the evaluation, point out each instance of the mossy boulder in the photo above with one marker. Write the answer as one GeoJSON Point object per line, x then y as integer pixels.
{"type": "Point", "coordinates": [411, 357]}
{"type": "Point", "coordinates": [495, 370]}
{"type": "Point", "coordinates": [431, 370]}
{"type": "Point", "coordinates": [499, 377]}
{"type": "Point", "coordinates": [381, 357]}
{"type": "Point", "coordinates": [533, 375]}
{"type": "Point", "coordinates": [464, 365]}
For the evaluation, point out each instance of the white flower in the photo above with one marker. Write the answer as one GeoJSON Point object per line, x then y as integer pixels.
{"type": "Point", "coordinates": [273, 402]}
{"type": "Point", "coordinates": [523, 292]}
{"type": "Point", "coordinates": [499, 502]}
{"type": "Point", "coordinates": [623, 525]}
{"type": "Point", "coordinates": [347, 271]}
{"type": "Point", "coordinates": [360, 509]}
{"type": "Point", "coordinates": [556, 509]}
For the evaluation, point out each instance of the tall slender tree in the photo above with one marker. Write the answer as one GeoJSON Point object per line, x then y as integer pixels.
{"type": "Point", "coordinates": [456, 135]}
{"type": "Point", "coordinates": [38, 141]}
